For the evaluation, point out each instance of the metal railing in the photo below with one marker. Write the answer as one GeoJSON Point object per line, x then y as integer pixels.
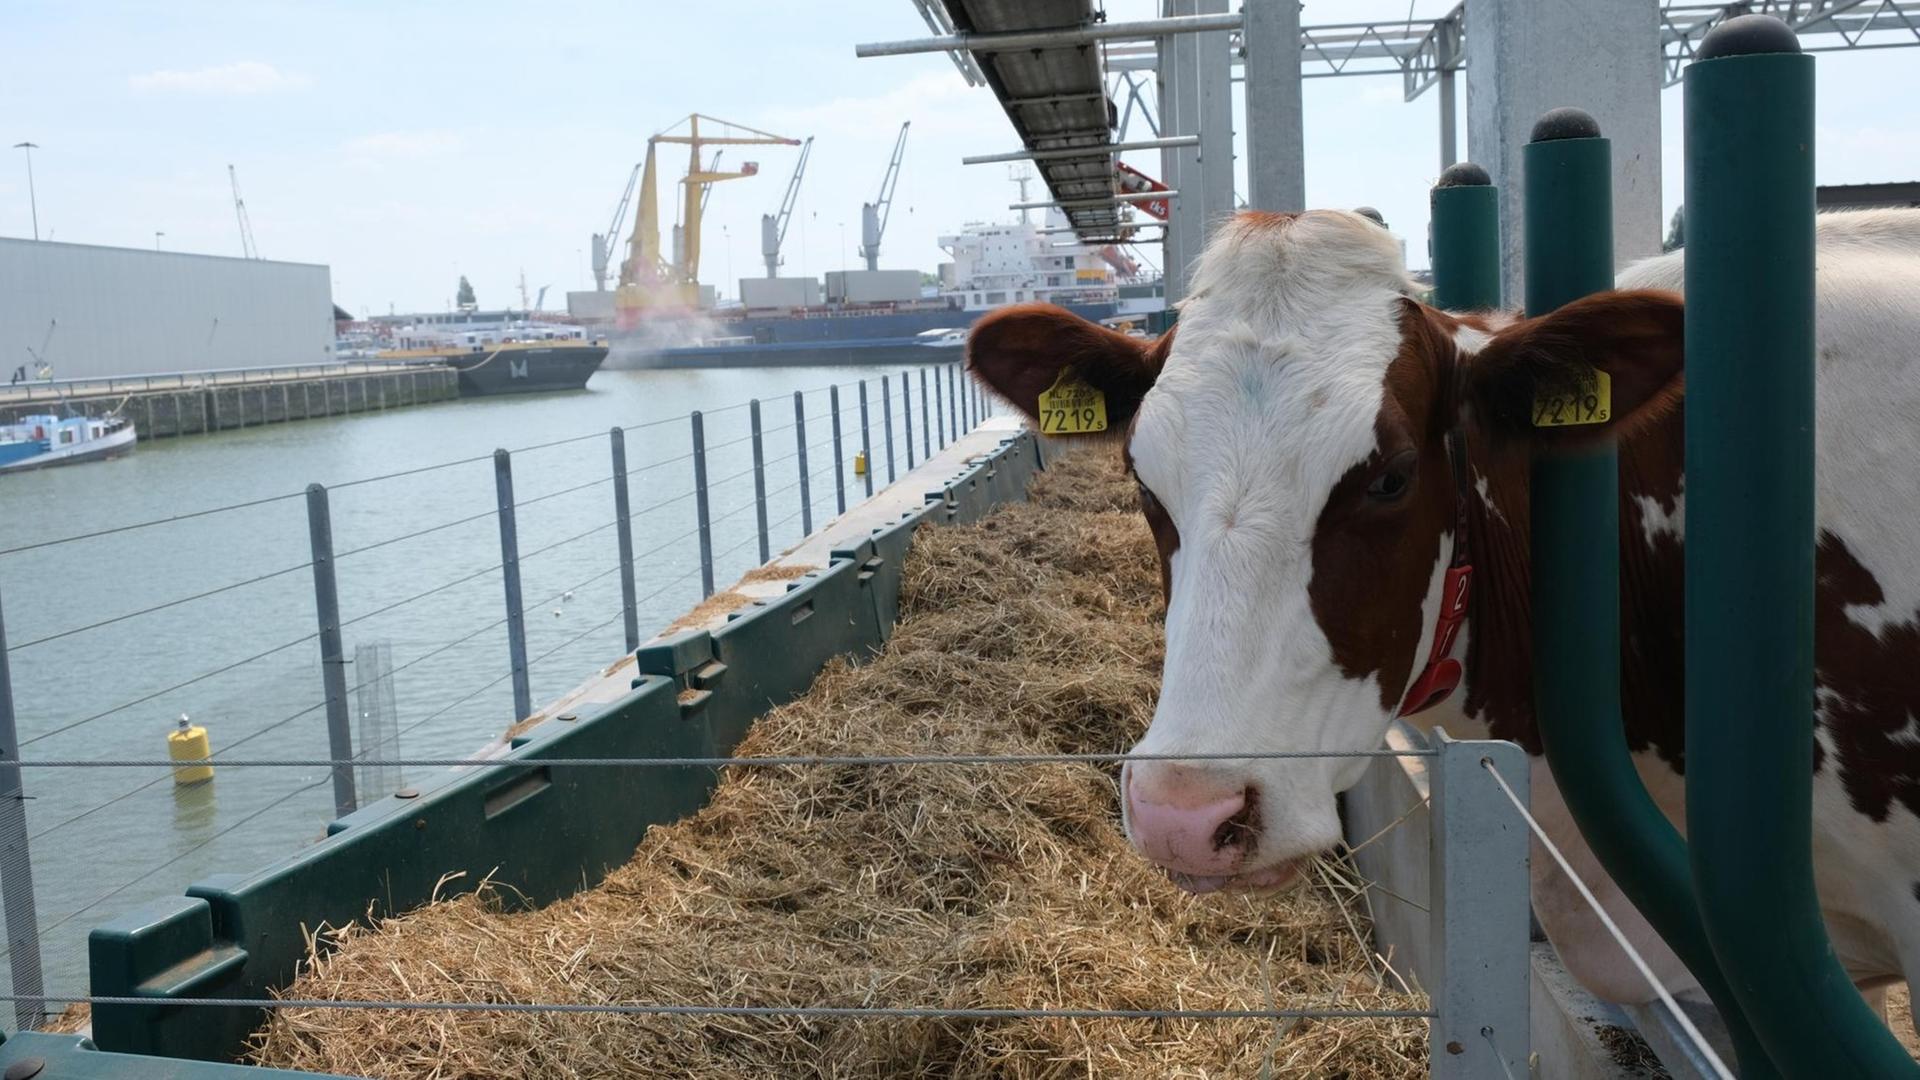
{"type": "Point", "coordinates": [51, 390]}
{"type": "Point", "coordinates": [673, 527]}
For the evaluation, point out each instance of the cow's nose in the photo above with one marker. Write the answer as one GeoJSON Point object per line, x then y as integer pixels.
{"type": "Point", "coordinates": [1189, 820]}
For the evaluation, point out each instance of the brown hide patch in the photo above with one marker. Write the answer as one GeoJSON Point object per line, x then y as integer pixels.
{"type": "Point", "coordinates": [1869, 685]}
{"type": "Point", "coordinates": [1166, 536]}
{"type": "Point", "coordinates": [1019, 351]}
{"type": "Point", "coordinates": [1373, 561]}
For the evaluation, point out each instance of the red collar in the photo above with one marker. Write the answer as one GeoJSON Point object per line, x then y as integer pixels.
{"type": "Point", "coordinates": [1441, 676]}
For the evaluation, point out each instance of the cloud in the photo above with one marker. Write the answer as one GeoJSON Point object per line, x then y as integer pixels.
{"type": "Point", "coordinates": [409, 145]}
{"type": "Point", "coordinates": [240, 78]}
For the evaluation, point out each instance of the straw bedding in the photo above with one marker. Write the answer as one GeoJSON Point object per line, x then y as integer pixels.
{"type": "Point", "coordinates": [1035, 631]}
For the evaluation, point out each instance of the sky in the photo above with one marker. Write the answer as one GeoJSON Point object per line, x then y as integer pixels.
{"type": "Point", "coordinates": [406, 144]}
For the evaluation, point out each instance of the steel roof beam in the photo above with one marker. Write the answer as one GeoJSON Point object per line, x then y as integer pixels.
{"type": "Point", "coordinates": [1068, 153]}
{"type": "Point", "coordinates": [1063, 37]}
{"type": "Point", "coordinates": [1118, 198]}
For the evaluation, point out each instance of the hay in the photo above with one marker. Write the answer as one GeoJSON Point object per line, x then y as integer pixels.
{"type": "Point", "coordinates": [729, 600]}
{"type": "Point", "coordinates": [1035, 631]}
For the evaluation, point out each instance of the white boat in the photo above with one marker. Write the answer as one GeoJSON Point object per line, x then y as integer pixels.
{"type": "Point", "coordinates": [941, 338]}
{"type": "Point", "coordinates": [37, 442]}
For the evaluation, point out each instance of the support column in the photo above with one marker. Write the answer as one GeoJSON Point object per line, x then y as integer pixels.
{"type": "Point", "coordinates": [1603, 56]}
{"type": "Point", "coordinates": [1276, 134]}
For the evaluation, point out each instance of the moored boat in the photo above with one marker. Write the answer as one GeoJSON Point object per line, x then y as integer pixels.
{"type": "Point", "coordinates": [37, 442]}
{"type": "Point", "coordinates": [514, 358]}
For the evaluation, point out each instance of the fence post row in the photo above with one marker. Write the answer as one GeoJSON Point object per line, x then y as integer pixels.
{"type": "Point", "coordinates": [926, 426]}
{"type": "Point", "coordinates": [800, 441]}
{"type": "Point", "coordinates": [1750, 453]}
{"type": "Point", "coordinates": [623, 531]}
{"type": "Point", "coordinates": [839, 462]}
{"type": "Point", "coordinates": [953, 400]}
{"type": "Point", "coordinates": [886, 424]}
{"type": "Point", "coordinates": [866, 438]}
{"type": "Point", "coordinates": [759, 477]}
{"type": "Point", "coordinates": [1575, 499]}
{"type": "Point", "coordinates": [333, 664]}
{"type": "Point", "coordinates": [1479, 911]}
{"type": "Point", "coordinates": [510, 577]}
{"type": "Point", "coordinates": [703, 521]}
{"type": "Point", "coordinates": [906, 413]}
{"type": "Point", "coordinates": [16, 864]}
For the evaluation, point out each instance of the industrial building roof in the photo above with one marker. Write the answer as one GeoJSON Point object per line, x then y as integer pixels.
{"type": "Point", "coordinates": [1056, 98]}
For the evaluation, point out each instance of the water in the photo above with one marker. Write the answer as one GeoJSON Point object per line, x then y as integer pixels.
{"type": "Point", "coordinates": [106, 840]}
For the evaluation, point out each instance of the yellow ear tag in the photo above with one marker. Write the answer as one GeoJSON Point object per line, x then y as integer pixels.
{"type": "Point", "coordinates": [1590, 403]}
{"type": "Point", "coordinates": [1071, 407]}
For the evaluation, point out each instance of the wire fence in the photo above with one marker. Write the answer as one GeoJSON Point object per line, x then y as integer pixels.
{"type": "Point", "coordinates": [650, 526]}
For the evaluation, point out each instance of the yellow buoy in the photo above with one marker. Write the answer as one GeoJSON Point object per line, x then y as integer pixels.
{"type": "Point", "coordinates": [860, 463]}
{"type": "Point", "coordinates": [189, 742]}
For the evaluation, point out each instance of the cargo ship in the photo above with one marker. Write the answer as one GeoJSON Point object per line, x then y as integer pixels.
{"type": "Point", "coordinates": [500, 355]}
{"type": "Point", "coordinates": [886, 316]}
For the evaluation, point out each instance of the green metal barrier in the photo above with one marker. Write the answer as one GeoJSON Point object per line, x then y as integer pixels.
{"type": "Point", "coordinates": [1465, 210]}
{"type": "Point", "coordinates": [1576, 579]}
{"type": "Point", "coordinates": [1750, 551]}
{"type": "Point", "coordinates": [542, 831]}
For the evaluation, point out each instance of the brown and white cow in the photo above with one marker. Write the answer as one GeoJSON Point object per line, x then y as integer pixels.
{"type": "Point", "coordinates": [1291, 445]}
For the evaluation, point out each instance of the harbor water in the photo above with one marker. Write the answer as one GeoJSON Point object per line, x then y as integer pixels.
{"type": "Point", "coordinates": [243, 661]}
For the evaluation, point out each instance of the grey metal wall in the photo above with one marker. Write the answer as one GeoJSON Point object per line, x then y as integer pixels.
{"type": "Point", "coordinates": [123, 311]}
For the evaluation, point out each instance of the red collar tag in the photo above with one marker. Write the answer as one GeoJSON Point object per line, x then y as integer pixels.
{"type": "Point", "coordinates": [1442, 674]}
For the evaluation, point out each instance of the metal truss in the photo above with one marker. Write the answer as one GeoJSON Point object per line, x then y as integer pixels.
{"type": "Point", "coordinates": [1831, 25]}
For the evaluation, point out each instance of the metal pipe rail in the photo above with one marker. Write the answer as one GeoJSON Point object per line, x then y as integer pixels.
{"type": "Point", "coordinates": [1069, 153]}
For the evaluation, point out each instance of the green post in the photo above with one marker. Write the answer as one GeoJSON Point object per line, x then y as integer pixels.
{"type": "Point", "coordinates": [1466, 239]}
{"type": "Point", "coordinates": [1750, 551]}
{"type": "Point", "coordinates": [1576, 579]}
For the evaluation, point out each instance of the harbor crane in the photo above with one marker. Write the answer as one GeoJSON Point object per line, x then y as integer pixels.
{"type": "Point", "coordinates": [652, 277]}
{"type": "Point", "coordinates": [248, 249]}
{"type": "Point", "coordinates": [873, 215]}
{"type": "Point", "coordinates": [603, 241]}
{"type": "Point", "coordinates": [773, 227]}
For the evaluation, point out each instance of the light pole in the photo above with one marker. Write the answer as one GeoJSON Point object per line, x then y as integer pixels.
{"type": "Point", "coordinates": [157, 234]}
{"type": "Point", "coordinates": [33, 201]}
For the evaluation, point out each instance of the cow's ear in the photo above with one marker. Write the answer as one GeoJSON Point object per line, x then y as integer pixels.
{"type": "Point", "coordinates": [1536, 379]}
{"type": "Point", "coordinates": [1020, 351]}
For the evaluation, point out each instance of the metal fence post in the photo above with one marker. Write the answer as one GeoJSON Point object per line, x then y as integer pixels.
{"type": "Point", "coordinates": [906, 413]}
{"type": "Point", "coordinates": [1751, 551]}
{"type": "Point", "coordinates": [16, 865]}
{"type": "Point", "coordinates": [800, 442]}
{"type": "Point", "coordinates": [623, 531]}
{"type": "Point", "coordinates": [839, 463]}
{"type": "Point", "coordinates": [510, 576]}
{"type": "Point", "coordinates": [953, 399]}
{"type": "Point", "coordinates": [1478, 913]}
{"type": "Point", "coordinates": [1575, 504]}
{"type": "Point", "coordinates": [886, 424]}
{"type": "Point", "coordinates": [333, 665]}
{"type": "Point", "coordinates": [926, 425]}
{"type": "Point", "coordinates": [703, 522]}
{"type": "Point", "coordinates": [866, 438]}
{"type": "Point", "coordinates": [759, 478]}
{"type": "Point", "coordinates": [939, 409]}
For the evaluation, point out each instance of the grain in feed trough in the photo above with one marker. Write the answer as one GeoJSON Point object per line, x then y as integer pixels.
{"type": "Point", "coordinates": [1035, 631]}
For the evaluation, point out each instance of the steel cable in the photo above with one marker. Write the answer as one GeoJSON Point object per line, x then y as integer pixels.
{"type": "Point", "coordinates": [156, 607]}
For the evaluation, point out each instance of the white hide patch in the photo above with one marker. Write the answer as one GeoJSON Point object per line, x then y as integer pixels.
{"type": "Point", "coordinates": [1658, 519]}
{"type": "Point", "coordinates": [1484, 490]}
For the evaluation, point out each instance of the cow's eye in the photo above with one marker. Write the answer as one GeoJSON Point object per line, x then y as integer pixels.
{"type": "Point", "coordinates": [1392, 481]}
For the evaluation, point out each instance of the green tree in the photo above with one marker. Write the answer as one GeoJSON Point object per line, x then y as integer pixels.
{"type": "Point", "coordinates": [464, 297]}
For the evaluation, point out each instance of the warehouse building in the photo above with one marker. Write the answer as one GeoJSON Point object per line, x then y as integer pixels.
{"type": "Point", "coordinates": [82, 311]}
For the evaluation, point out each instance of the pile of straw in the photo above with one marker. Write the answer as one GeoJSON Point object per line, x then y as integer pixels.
{"type": "Point", "coordinates": [1035, 631]}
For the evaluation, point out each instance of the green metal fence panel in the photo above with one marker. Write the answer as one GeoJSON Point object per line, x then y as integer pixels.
{"type": "Point", "coordinates": [1750, 551]}
{"type": "Point", "coordinates": [70, 1057]}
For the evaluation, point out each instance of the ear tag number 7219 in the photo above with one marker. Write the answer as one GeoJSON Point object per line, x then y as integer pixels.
{"type": "Point", "coordinates": [1589, 401]}
{"type": "Point", "coordinates": [1072, 407]}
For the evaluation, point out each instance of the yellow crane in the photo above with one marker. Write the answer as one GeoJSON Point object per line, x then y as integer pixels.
{"type": "Point", "coordinates": [651, 277]}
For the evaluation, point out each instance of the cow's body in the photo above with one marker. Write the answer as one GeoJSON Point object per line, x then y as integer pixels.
{"type": "Point", "coordinates": [1293, 452]}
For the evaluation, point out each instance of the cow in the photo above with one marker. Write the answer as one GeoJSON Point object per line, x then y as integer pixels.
{"type": "Point", "coordinates": [1316, 448]}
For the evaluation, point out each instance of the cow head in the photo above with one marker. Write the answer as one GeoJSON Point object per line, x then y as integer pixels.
{"type": "Point", "coordinates": [1290, 443]}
